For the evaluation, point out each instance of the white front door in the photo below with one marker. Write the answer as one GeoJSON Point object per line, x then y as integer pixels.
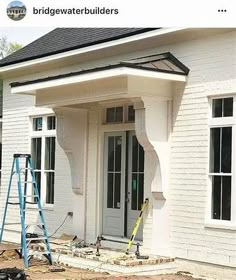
{"type": "Point", "coordinates": [114, 184]}
{"type": "Point", "coordinates": [135, 185]}
{"type": "Point", "coordinates": [123, 183]}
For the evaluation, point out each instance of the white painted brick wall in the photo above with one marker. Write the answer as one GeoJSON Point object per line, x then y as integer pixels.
{"type": "Point", "coordinates": [211, 62]}
{"type": "Point", "coordinates": [212, 70]}
{"type": "Point", "coordinates": [15, 139]}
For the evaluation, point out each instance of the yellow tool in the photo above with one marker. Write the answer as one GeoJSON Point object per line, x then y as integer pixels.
{"type": "Point", "coordinates": [137, 224]}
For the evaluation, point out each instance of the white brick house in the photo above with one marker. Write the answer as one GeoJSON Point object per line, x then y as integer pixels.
{"type": "Point", "coordinates": [139, 113]}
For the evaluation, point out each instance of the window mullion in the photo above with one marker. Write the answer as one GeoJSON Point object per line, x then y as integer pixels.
{"type": "Point", "coordinates": [43, 174]}
{"type": "Point", "coordinates": [221, 196]}
{"type": "Point", "coordinates": [220, 150]}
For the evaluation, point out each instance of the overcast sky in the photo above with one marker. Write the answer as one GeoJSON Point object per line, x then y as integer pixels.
{"type": "Point", "coordinates": [23, 35]}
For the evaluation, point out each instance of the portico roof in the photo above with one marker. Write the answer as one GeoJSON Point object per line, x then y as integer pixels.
{"type": "Point", "coordinates": [152, 75]}
{"type": "Point", "coordinates": [164, 63]}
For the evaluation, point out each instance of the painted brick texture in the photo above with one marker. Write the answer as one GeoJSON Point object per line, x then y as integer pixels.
{"type": "Point", "coordinates": [212, 62]}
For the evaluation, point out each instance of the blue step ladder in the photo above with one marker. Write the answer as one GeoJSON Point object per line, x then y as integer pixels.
{"type": "Point", "coordinates": [23, 198]}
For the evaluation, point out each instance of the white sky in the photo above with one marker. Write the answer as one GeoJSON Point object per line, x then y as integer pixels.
{"type": "Point", "coordinates": [23, 35]}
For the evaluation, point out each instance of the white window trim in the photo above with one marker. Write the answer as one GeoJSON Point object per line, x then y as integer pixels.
{"type": "Point", "coordinates": [42, 134]}
{"type": "Point", "coordinates": [222, 122]}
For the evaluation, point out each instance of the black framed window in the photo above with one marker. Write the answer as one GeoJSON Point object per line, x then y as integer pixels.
{"type": "Point", "coordinates": [43, 150]}
{"type": "Point", "coordinates": [220, 170]}
{"type": "Point", "coordinates": [222, 107]}
{"type": "Point", "coordinates": [120, 114]}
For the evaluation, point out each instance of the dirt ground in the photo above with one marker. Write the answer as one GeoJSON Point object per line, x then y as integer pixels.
{"type": "Point", "coordinates": [40, 270]}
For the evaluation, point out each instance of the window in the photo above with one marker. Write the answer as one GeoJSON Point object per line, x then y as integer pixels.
{"type": "Point", "coordinates": [120, 114]}
{"type": "Point", "coordinates": [43, 146]}
{"type": "Point", "coordinates": [37, 124]}
{"type": "Point", "coordinates": [114, 114]}
{"type": "Point", "coordinates": [221, 158]}
{"type": "Point", "coordinates": [222, 107]}
{"type": "Point", "coordinates": [51, 122]}
{"type": "Point", "coordinates": [131, 113]}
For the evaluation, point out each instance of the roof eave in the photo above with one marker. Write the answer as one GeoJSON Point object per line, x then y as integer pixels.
{"type": "Point", "coordinates": [86, 49]}
{"type": "Point", "coordinates": [32, 87]}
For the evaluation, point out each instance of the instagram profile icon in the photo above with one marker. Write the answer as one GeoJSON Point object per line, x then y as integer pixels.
{"type": "Point", "coordinates": [16, 10]}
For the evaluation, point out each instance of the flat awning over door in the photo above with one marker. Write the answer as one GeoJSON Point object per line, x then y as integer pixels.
{"type": "Point", "coordinates": [151, 75]}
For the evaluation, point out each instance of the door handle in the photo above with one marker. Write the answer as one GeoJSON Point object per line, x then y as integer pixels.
{"type": "Point", "coordinates": [127, 200]}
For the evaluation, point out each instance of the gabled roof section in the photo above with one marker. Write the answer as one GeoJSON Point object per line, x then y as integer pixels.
{"type": "Point", "coordinates": [65, 39]}
{"type": "Point", "coordinates": [165, 62]}
{"type": "Point", "coordinates": [162, 63]}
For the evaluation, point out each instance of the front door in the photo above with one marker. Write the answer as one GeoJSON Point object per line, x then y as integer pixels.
{"type": "Point", "coordinates": [123, 183]}
{"type": "Point", "coordinates": [135, 184]}
{"type": "Point", "coordinates": [114, 183]}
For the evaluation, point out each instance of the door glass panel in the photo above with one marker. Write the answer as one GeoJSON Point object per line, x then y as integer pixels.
{"type": "Point", "coordinates": [110, 190]}
{"type": "Point", "coordinates": [134, 192]}
{"type": "Point", "coordinates": [118, 143]}
{"type": "Point", "coordinates": [137, 182]}
{"type": "Point", "coordinates": [110, 153]}
{"type": "Point", "coordinates": [134, 154]}
{"type": "Point", "coordinates": [141, 158]}
{"type": "Point", "coordinates": [114, 172]}
{"type": "Point", "coordinates": [140, 191]}
{"type": "Point", "coordinates": [117, 191]}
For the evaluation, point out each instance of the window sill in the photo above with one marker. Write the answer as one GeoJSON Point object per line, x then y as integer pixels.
{"type": "Point", "coordinates": [220, 225]}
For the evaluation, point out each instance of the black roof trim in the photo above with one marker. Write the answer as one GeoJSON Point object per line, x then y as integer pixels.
{"type": "Point", "coordinates": [8, 61]}
{"type": "Point", "coordinates": [184, 70]}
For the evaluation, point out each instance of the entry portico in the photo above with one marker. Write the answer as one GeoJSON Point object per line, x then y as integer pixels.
{"type": "Point", "coordinates": [117, 158]}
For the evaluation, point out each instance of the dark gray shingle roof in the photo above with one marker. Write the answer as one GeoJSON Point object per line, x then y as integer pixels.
{"type": "Point", "coordinates": [65, 39]}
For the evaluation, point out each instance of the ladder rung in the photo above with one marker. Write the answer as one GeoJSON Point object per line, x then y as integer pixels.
{"type": "Point", "coordinates": [39, 210]}
{"type": "Point", "coordinates": [13, 203]}
{"type": "Point", "coordinates": [26, 169]}
{"type": "Point", "coordinates": [36, 224]}
{"type": "Point", "coordinates": [36, 238]}
{"type": "Point", "coordinates": [28, 182]}
{"type": "Point", "coordinates": [25, 196]}
{"type": "Point", "coordinates": [39, 253]}
{"type": "Point", "coordinates": [9, 224]}
{"type": "Point", "coordinates": [27, 225]}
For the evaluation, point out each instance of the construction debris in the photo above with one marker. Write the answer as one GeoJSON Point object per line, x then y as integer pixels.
{"type": "Point", "coordinates": [56, 269]}
{"type": "Point", "coordinates": [12, 274]}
